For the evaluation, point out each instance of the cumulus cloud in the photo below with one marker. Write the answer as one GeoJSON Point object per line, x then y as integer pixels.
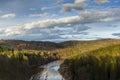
{"type": "Point", "coordinates": [116, 34]}
{"type": "Point", "coordinates": [10, 15]}
{"type": "Point", "coordinates": [80, 1]}
{"type": "Point", "coordinates": [32, 9]}
{"type": "Point", "coordinates": [50, 33]}
{"type": "Point", "coordinates": [21, 29]}
{"type": "Point", "coordinates": [92, 16]}
{"type": "Point", "coordinates": [73, 27]}
{"type": "Point", "coordinates": [85, 17]}
{"type": "Point", "coordinates": [49, 8]}
{"type": "Point", "coordinates": [46, 32]}
{"type": "Point", "coordinates": [56, 5]}
{"type": "Point", "coordinates": [81, 5]}
{"type": "Point", "coordinates": [39, 15]}
{"type": "Point", "coordinates": [44, 15]}
{"type": "Point", "coordinates": [99, 2]}
{"type": "Point", "coordinates": [77, 5]}
{"type": "Point", "coordinates": [59, 1]}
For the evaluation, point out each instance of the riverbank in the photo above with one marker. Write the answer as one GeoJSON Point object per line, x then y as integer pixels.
{"type": "Point", "coordinates": [50, 72]}
{"type": "Point", "coordinates": [22, 72]}
{"type": "Point", "coordinates": [100, 64]}
{"type": "Point", "coordinates": [21, 65]}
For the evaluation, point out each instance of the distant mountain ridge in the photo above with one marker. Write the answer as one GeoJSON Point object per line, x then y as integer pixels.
{"type": "Point", "coordinates": [28, 45]}
{"type": "Point", "coordinates": [46, 45]}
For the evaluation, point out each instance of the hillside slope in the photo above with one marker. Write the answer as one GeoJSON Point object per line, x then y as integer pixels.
{"type": "Point", "coordinates": [100, 64]}
{"type": "Point", "coordinates": [20, 57]}
{"type": "Point", "coordinates": [40, 45]}
{"type": "Point", "coordinates": [28, 45]}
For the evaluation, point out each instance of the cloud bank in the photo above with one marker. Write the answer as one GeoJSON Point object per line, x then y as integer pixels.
{"type": "Point", "coordinates": [85, 17]}
{"type": "Point", "coordinates": [8, 16]}
{"type": "Point", "coordinates": [60, 20]}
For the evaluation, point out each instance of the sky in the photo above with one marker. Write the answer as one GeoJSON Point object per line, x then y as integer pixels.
{"type": "Point", "coordinates": [59, 20]}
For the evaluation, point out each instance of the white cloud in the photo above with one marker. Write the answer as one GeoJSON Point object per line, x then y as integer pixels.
{"type": "Point", "coordinates": [21, 29]}
{"type": "Point", "coordinates": [77, 5]}
{"type": "Point", "coordinates": [46, 33]}
{"type": "Point", "coordinates": [80, 5]}
{"type": "Point", "coordinates": [108, 15]}
{"type": "Point", "coordinates": [80, 1]}
{"type": "Point", "coordinates": [99, 2]}
{"type": "Point", "coordinates": [39, 15]}
{"type": "Point", "coordinates": [32, 9]}
{"type": "Point", "coordinates": [56, 5]}
{"type": "Point", "coordinates": [10, 15]}
{"type": "Point", "coordinates": [69, 7]}
{"type": "Point", "coordinates": [71, 27]}
{"type": "Point", "coordinates": [44, 15]}
{"type": "Point", "coordinates": [85, 17]}
{"type": "Point", "coordinates": [93, 16]}
{"type": "Point", "coordinates": [111, 19]}
{"type": "Point", "coordinates": [59, 1]}
{"type": "Point", "coordinates": [51, 23]}
{"type": "Point", "coordinates": [49, 8]}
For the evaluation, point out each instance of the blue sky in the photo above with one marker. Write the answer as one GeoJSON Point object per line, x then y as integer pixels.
{"type": "Point", "coordinates": [59, 20]}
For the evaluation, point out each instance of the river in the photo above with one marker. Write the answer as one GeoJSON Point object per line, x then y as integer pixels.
{"type": "Point", "coordinates": [50, 72]}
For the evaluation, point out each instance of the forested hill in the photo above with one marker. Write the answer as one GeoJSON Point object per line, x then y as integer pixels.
{"type": "Point", "coordinates": [19, 64]}
{"type": "Point", "coordinates": [28, 45]}
{"type": "Point", "coordinates": [40, 45]}
{"type": "Point", "coordinates": [99, 64]}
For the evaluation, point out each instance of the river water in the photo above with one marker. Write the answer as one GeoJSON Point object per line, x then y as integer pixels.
{"type": "Point", "coordinates": [50, 72]}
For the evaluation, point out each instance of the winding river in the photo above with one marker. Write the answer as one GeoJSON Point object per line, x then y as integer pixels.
{"type": "Point", "coordinates": [50, 72]}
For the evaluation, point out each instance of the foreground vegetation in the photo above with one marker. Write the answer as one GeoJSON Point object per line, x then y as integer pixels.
{"type": "Point", "coordinates": [100, 64]}
{"type": "Point", "coordinates": [84, 60]}
{"type": "Point", "coordinates": [21, 65]}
